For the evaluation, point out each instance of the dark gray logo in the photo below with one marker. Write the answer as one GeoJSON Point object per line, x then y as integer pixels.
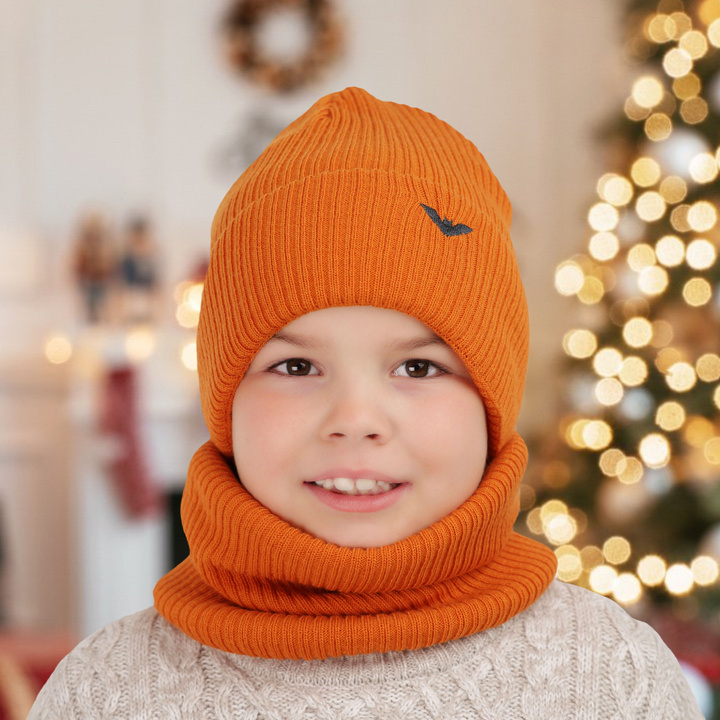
{"type": "Point", "coordinates": [446, 225]}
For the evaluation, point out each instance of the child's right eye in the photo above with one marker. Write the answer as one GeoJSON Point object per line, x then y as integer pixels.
{"type": "Point", "coordinates": [294, 366]}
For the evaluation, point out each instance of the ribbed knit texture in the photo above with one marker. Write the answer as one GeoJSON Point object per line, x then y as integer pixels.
{"type": "Point", "coordinates": [331, 214]}
{"type": "Point", "coordinates": [573, 655]}
{"type": "Point", "coordinates": [255, 585]}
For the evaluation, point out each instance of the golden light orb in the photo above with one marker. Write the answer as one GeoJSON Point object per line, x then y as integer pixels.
{"type": "Point", "coordinates": [607, 362]}
{"type": "Point", "coordinates": [700, 254]}
{"type": "Point", "coordinates": [597, 435]}
{"type": "Point", "coordinates": [659, 28]}
{"type": "Point", "coordinates": [670, 250]}
{"type": "Point", "coordinates": [693, 110]}
{"type": "Point", "coordinates": [634, 371]}
{"type": "Point", "coordinates": [670, 416]}
{"type": "Point", "coordinates": [602, 579]}
{"type": "Point", "coordinates": [633, 111]}
{"type": "Point", "coordinates": [703, 168]}
{"type": "Point", "coordinates": [694, 43]}
{"type": "Point", "coordinates": [640, 257]}
{"type": "Point", "coordinates": [603, 217]}
{"type": "Point", "coordinates": [677, 62]}
{"type": "Point", "coordinates": [569, 278]}
{"type": "Point", "coordinates": [560, 529]}
{"type": "Point", "coordinates": [673, 189]}
{"type": "Point", "coordinates": [654, 449]}
{"type": "Point", "coordinates": [569, 564]}
{"type": "Point", "coordinates": [186, 316]}
{"type": "Point", "coordinates": [679, 579]}
{"type": "Point", "coordinates": [604, 246]}
{"type": "Point", "coordinates": [58, 349]}
{"type": "Point", "coordinates": [697, 292]}
{"type": "Point", "coordinates": [666, 358]}
{"type": "Point", "coordinates": [592, 290]}
{"type": "Point", "coordinates": [658, 126]}
{"type": "Point", "coordinates": [647, 91]}
{"type": "Point", "coordinates": [681, 377]}
{"type": "Point", "coordinates": [679, 218]}
{"type": "Point", "coordinates": [140, 344]}
{"type": "Point", "coordinates": [681, 21]}
{"type": "Point", "coordinates": [704, 570]}
{"type": "Point", "coordinates": [188, 356]}
{"type": "Point", "coordinates": [534, 521]}
{"type": "Point", "coordinates": [609, 391]}
{"type": "Point", "coordinates": [574, 434]}
{"type": "Point", "coordinates": [632, 473]}
{"type": "Point", "coordinates": [579, 343]}
{"type": "Point", "coordinates": [716, 397]}
{"type": "Point", "coordinates": [618, 191]}
{"type": "Point", "coordinates": [652, 569]}
{"type": "Point", "coordinates": [686, 86]}
{"type": "Point", "coordinates": [627, 589]}
{"type": "Point", "coordinates": [637, 332]}
{"type": "Point", "coordinates": [713, 33]}
{"type": "Point", "coordinates": [616, 550]}
{"type": "Point", "coordinates": [645, 172]}
{"type": "Point", "coordinates": [708, 367]}
{"type": "Point", "coordinates": [612, 462]}
{"type": "Point", "coordinates": [653, 280]}
{"type": "Point", "coordinates": [650, 206]}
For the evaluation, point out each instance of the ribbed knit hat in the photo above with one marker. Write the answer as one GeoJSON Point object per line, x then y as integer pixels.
{"type": "Point", "coordinates": [365, 202]}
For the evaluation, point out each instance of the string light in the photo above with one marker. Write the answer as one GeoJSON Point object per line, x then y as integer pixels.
{"type": "Point", "coordinates": [569, 278]}
{"type": "Point", "coordinates": [697, 292]}
{"type": "Point", "coordinates": [645, 172]}
{"type": "Point", "coordinates": [679, 579]}
{"type": "Point", "coordinates": [703, 168]}
{"type": "Point", "coordinates": [681, 377]}
{"type": "Point", "coordinates": [653, 280]}
{"type": "Point", "coordinates": [686, 86]}
{"type": "Point", "coordinates": [604, 246]}
{"type": "Point", "coordinates": [634, 371]}
{"type": "Point", "coordinates": [708, 367]}
{"type": "Point", "coordinates": [602, 579]}
{"type": "Point", "coordinates": [616, 550]}
{"type": "Point", "coordinates": [58, 349]}
{"type": "Point", "coordinates": [654, 449]}
{"type": "Point", "coordinates": [650, 206]}
{"type": "Point", "coordinates": [188, 356]}
{"type": "Point", "coordinates": [609, 391]}
{"type": "Point", "coordinates": [652, 569]}
{"type": "Point", "coordinates": [670, 250]}
{"type": "Point", "coordinates": [694, 110]}
{"type": "Point", "coordinates": [670, 416]}
{"type": "Point", "coordinates": [698, 431]}
{"type": "Point", "coordinates": [607, 362]}
{"type": "Point", "coordinates": [713, 33]}
{"type": "Point", "coordinates": [700, 254]}
{"type": "Point", "coordinates": [704, 570]}
{"type": "Point", "coordinates": [579, 343]}
{"type": "Point", "coordinates": [647, 91]}
{"type": "Point", "coordinates": [140, 344]}
{"type": "Point", "coordinates": [637, 332]}
{"type": "Point", "coordinates": [603, 216]}
{"type": "Point", "coordinates": [673, 189]}
{"type": "Point", "coordinates": [711, 451]}
{"type": "Point", "coordinates": [626, 589]}
{"type": "Point", "coordinates": [658, 126]}
{"type": "Point", "coordinates": [612, 462]}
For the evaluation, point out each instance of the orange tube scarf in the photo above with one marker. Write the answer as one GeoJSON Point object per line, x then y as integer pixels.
{"type": "Point", "coordinates": [255, 585]}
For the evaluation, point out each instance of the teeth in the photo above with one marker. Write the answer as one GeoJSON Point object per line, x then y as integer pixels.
{"type": "Point", "coordinates": [362, 486]}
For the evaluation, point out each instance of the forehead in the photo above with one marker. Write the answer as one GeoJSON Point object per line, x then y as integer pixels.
{"type": "Point", "coordinates": [321, 327]}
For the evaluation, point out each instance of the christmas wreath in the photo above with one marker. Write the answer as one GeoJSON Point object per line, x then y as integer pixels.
{"type": "Point", "coordinates": [244, 51]}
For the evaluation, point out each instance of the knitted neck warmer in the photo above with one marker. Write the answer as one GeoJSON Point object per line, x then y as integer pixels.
{"type": "Point", "coordinates": [255, 585]}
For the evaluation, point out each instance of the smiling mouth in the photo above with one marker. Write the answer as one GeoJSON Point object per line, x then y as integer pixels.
{"type": "Point", "coordinates": [361, 486]}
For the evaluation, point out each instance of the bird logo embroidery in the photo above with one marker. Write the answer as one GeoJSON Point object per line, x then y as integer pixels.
{"type": "Point", "coordinates": [446, 225]}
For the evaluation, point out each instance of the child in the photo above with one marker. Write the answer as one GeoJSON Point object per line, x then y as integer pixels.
{"type": "Point", "coordinates": [362, 350]}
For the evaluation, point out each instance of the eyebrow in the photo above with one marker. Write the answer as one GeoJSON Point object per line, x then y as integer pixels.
{"type": "Point", "coordinates": [406, 345]}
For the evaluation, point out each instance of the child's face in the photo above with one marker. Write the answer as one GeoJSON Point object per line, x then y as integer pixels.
{"type": "Point", "coordinates": [335, 391]}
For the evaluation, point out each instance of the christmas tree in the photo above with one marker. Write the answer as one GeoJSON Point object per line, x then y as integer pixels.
{"type": "Point", "coordinates": [626, 487]}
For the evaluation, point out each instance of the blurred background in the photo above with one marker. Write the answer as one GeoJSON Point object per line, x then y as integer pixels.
{"type": "Point", "coordinates": [122, 125]}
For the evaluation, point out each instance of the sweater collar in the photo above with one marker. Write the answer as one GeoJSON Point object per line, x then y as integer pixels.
{"type": "Point", "coordinates": [255, 585]}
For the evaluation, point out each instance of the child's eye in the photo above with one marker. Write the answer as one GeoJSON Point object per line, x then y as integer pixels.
{"type": "Point", "coordinates": [295, 366]}
{"type": "Point", "coordinates": [422, 369]}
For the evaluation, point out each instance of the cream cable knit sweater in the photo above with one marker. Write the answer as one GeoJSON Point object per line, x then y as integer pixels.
{"type": "Point", "coordinates": [571, 655]}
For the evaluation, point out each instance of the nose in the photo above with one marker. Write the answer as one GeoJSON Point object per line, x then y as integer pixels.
{"type": "Point", "coordinates": [356, 413]}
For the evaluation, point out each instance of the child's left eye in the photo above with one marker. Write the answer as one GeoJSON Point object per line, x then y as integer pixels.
{"type": "Point", "coordinates": [295, 366]}
{"type": "Point", "coordinates": [422, 368]}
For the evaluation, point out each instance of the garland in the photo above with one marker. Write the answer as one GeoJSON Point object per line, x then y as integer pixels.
{"type": "Point", "coordinates": [240, 28]}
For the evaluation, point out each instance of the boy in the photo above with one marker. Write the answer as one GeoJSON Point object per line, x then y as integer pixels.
{"type": "Point", "coordinates": [362, 353]}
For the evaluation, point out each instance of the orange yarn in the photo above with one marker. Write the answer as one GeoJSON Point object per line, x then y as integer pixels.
{"type": "Point", "coordinates": [255, 585]}
{"type": "Point", "coordinates": [358, 202]}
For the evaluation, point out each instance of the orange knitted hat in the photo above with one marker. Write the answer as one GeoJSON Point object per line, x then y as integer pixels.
{"type": "Point", "coordinates": [364, 202]}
